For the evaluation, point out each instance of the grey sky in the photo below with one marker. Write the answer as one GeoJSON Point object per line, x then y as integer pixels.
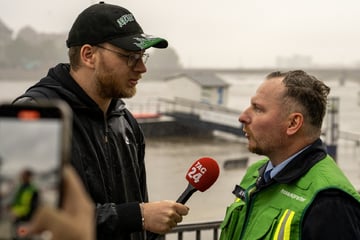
{"type": "Point", "coordinates": [227, 33]}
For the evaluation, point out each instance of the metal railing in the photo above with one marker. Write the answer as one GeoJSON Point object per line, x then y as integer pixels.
{"type": "Point", "coordinates": [195, 230]}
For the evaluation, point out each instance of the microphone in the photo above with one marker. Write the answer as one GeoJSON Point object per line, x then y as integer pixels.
{"type": "Point", "coordinates": [201, 175]}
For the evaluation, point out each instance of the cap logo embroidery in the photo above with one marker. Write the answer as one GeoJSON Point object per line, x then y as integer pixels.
{"type": "Point", "coordinates": [125, 19]}
{"type": "Point", "coordinates": [144, 42]}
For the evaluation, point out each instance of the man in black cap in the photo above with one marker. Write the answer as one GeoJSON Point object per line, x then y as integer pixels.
{"type": "Point", "coordinates": [107, 58]}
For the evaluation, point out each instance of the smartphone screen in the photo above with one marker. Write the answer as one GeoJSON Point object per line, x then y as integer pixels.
{"type": "Point", "coordinates": [33, 149]}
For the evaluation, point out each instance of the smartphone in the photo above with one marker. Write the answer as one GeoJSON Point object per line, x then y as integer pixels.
{"type": "Point", "coordinates": [34, 146]}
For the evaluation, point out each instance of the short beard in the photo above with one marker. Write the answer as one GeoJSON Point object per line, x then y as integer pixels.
{"type": "Point", "coordinates": [257, 151]}
{"type": "Point", "coordinates": [108, 86]}
{"type": "Point", "coordinates": [256, 148]}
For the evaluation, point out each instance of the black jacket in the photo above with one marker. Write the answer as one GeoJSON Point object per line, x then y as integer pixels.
{"type": "Point", "coordinates": [107, 152]}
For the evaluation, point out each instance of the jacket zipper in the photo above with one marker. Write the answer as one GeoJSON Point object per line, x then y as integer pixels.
{"type": "Point", "coordinates": [251, 191]}
{"type": "Point", "coordinates": [106, 132]}
{"type": "Point", "coordinates": [110, 157]}
{"type": "Point", "coordinates": [109, 161]}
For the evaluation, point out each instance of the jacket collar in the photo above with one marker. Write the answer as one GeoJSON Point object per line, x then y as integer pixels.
{"type": "Point", "coordinates": [59, 80]}
{"type": "Point", "coordinates": [299, 165]}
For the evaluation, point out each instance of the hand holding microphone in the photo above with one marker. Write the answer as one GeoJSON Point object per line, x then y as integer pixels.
{"type": "Point", "coordinates": [201, 175]}
{"type": "Point", "coordinates": [161, 216]}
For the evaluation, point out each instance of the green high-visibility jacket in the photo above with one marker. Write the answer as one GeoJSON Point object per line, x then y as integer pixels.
{"type": "Point", "coordinates": [275, 210]}
{"type": "Point", "coordinates": [23, 204]}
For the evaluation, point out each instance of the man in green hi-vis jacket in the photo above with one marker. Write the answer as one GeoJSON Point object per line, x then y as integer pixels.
{"type": "Point", "coordinates": [25, 200]}
{"type": "Point", "coordinates": [297, 191]}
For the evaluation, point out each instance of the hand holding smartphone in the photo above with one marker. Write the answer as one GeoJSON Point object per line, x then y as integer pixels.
{"type": "Point", "coordinates": [34, 146]}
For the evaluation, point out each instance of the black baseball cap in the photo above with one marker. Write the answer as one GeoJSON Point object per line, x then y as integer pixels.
{"type": "Point", "coordinates": [103, 22]}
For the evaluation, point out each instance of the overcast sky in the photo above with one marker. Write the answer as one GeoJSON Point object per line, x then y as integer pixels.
{"type": "Point", "coordinates": [226, 33]}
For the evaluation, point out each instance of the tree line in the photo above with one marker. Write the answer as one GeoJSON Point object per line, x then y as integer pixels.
{"type": "Point", "coordinates": [31, 50]}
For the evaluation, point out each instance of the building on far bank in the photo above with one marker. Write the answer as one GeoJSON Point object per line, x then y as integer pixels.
{"type": "Point", "coordinates": [205, 87]}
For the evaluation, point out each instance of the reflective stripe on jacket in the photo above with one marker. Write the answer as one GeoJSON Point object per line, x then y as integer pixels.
{"type": "Point", "coordinates": [276, 210]}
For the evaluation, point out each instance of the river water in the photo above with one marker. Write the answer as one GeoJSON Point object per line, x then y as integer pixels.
{"type": "Point", "coordinates": [168, 159]}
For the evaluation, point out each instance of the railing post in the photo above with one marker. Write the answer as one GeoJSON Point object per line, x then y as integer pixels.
{"type": "Point", "coordinates": [198, 235]}
{"type": "Point", "coordinates": [215, 237]}
{"type": "Point", "coordinates": [196, 228]}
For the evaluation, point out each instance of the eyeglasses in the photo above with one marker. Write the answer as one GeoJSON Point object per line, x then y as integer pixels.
{"type": "Point", "coordinates": [132, 59]}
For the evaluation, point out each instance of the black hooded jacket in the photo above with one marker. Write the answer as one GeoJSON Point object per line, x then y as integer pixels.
{"type": "Point", "coordinates": [107, 152]}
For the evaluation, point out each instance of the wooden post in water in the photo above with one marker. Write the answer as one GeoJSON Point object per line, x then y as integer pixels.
{"type": "Point", "coordinates": [332, 126]}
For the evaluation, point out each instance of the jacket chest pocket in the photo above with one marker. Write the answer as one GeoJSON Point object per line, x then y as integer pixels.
{"type": "Point", "coordinates": [271, 223]}
{"type": "Point", "coordinates": [233, 221]}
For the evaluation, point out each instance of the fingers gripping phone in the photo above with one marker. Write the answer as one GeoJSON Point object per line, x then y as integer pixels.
{"type": "Point", "coordinates": [34, 146]}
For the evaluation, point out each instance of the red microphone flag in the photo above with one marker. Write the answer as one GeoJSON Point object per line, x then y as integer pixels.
{"type": "Point", "coordinates": [203, 173]}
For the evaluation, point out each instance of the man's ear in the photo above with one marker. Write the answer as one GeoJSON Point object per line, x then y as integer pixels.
{"type": "Point", "coordinates": [296, 120]}
{"type": "Point", "coordinates": [87, 55]}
